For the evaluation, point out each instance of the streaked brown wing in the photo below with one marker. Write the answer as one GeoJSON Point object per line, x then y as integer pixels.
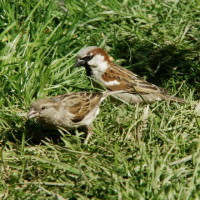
{"type": "Point", "coordinates": [129, 81]}
{"type": "Point", "coordinates": [80, 104]}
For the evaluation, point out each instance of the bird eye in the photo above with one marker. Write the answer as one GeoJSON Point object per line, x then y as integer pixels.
{"type": "Point", "coordinates": [87, 58]}
{"type": "Point", "coordinates": [43, 107]}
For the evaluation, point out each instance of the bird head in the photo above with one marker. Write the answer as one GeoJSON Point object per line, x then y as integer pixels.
{"type": "Point", "coordinates": [43, 109]}
{"type": "Point", "coordinates": [93, 57]}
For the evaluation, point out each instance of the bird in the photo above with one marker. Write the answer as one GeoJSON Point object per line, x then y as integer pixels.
{"type": "Point", "coordinates": [101, 68]}
{"type": "Point", "coordinates": [69, 111]}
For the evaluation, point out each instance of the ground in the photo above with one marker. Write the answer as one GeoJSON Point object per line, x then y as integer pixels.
{"type": "Point", "coordinates": [136, 152]}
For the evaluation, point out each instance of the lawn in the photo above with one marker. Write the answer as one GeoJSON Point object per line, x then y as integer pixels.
{"type": "Point", "coordinates": [136, 151]}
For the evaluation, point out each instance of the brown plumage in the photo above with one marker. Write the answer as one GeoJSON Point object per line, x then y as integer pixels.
{"type": "Point", "coordinates": [114, 77]}
{"type": "Point", "coordinates": [69, 111]}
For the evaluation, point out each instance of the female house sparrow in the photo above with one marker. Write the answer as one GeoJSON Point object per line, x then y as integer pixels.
{"type": "Point", "coordinates": [101, 68]}
{"type": "Point", "coordinates": [69, 111]}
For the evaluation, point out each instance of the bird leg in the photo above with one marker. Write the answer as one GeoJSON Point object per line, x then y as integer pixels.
{"type": "Point", "coordinates": [89, 130]}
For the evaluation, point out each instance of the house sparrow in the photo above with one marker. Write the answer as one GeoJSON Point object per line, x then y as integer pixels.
{"type": "Point", "coordinates": [101, 68]}
{"type": "Point", "coordinates": [69, 111]}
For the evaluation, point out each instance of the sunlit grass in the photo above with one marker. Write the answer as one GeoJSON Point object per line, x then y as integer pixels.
{"type": "Point", "coordinates": [136, 152]}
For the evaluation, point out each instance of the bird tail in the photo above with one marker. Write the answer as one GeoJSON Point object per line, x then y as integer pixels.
{"type": "Point", "coordinates": [108, 93]}
{"type": "Point", "coordinates": [172, 98]}
{"type": "Point", "coordinates": [161, 96]}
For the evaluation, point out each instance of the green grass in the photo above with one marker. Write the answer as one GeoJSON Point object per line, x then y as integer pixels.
{"type": "Point", "coordinates": [132, 155]}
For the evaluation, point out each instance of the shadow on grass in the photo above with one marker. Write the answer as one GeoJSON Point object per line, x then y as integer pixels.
{"type": "Point", "coordinates": [35, 132]}
{"type": "Point", "coordinates": [162, 64]}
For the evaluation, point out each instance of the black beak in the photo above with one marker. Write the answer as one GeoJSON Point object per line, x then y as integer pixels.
{"type": "Point", "coordinates": [80, 62]}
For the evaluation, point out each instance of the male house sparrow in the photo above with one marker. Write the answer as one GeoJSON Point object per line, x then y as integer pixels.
{"type": "Point", "coordinates": [101, 68]}
{"type": "Point", "coordinates": [69, 111]}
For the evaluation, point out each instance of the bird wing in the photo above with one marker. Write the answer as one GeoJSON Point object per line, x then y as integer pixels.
{"type": "Point", "coordinates": [129, 81]}
{"type": "Point", "coordinates": [79, 104]}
